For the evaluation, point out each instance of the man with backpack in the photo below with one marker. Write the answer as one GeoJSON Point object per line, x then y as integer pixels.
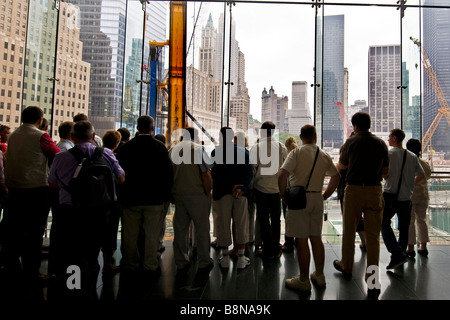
{"type": "Point", "coordinates": [84, 176]}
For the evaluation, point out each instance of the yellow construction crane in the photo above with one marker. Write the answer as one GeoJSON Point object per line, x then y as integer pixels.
{"type": "Point", "coordinates": [444, 110]}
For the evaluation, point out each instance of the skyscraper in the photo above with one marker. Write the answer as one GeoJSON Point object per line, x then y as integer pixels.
{"type": "Point", "coordinates": [103, 36]}
{"type": "Point", "coordinates": [333, 81]}
{"type": "Point", "coordinates": [384, 78]}
{"type": "Point", "coordinates": [436, 40]}
{"type": "Point", "coordinates": [208, 49]}
{"type": "Point", "coordinates": [299, 114]}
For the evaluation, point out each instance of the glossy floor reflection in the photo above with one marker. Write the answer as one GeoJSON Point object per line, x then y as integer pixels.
{"type": "Point", "coordinates": [419, 279]}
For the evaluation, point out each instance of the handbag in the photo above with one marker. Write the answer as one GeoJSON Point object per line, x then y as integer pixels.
{"type": "Point", "coordinates": [390, 199]}
{"type": "Point", "coordinates": [296, 196]}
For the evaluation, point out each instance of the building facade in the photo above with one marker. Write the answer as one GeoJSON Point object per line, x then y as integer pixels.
{"type": "Point", "coordinates": [333, 81]}
{"type": "Point", "coordinates": [384, 78]}
{"type": "Point", "coordinates": [72, 76]}
{"type": "Point", "coordinates": [436, 41]}
{"type": "Point", "coordinates": [13, 31]}
{"type": "Point", "coordinates": [300, 113]}
{"type": "Point", "coordinates": [273, 108]}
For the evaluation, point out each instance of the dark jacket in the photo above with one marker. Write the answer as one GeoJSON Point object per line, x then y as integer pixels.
{"type": "Point", "coordinates": [227, 174]}
{"type": "Point", "coordinates": [148, 171]}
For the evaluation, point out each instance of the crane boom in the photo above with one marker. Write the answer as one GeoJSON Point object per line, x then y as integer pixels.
{"type": "Point", "coordinates": [444, 110]}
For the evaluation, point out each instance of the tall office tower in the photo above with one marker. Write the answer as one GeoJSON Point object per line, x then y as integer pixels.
{"type": "Point", "coordinates": [207, 57]}
{"type": "Point", "coordinates": [299, 114]}
{"type": "Point", "coordinates": [436, 40]}
{"type": "Point", "coordinates": [103, 36]}
{"type": "Point", "coordinates": [13, 22]}
{"type": "Point", "coordinates": [240, 103]}
{"type": "Point", "coordinates": [231, 56]}
{"type": "Point", "coordinates": [273, 108]}
{"type": "Point", "coordinates": [72, 76]}
{"type": "Point", "coordinates": [333, 81]}
{"type": "Point", "coordinates": [384, 78]}
{"type": "Point", "coordinates": [406, 120]}
{"type": "Point", "coordinates": [414, 117]}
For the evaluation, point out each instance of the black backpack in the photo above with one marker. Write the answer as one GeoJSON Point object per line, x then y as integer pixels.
{"type": "Point", "coordinates": [93, 183]}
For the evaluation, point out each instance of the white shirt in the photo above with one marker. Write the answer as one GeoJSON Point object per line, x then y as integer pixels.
{"type": "Point", "coordinates": [267, 161]}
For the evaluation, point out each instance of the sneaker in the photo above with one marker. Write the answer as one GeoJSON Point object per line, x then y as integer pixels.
{"type": "Point", "coordinates": [224, 261]}
{"type": "Point", "coordinates": [397, 261]}
{"type": "Point", "coordinates": [296, 284]}
{"type": "Point", "coordinates": [318, 280]}
{"type": "Point", "coordinates": [243, 262]}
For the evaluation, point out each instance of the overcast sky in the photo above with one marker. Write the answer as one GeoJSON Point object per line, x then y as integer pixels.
{"type": "Point", "coordinates": [278, 43]}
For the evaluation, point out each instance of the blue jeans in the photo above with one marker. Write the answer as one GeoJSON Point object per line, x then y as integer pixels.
{"type": "Point", "coordinates": [403, 211]}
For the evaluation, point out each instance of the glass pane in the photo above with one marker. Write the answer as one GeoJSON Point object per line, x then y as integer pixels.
{"type": "Point", "coordinates": [154, 97]}
{"type": "Point", "coordinates": [102, 32]}
{"type": "Point", "coordinates": [436, 83]}
{"type": "Point", "coordinates": [133, 72]}
{"type": "Point", "coordinates": [411, 73]}
{"type": "Point", "coordinates": [361, 70]}
{"type": "Point", "coordinates": [38, 73]}
{"type": "Point", "coordinates": [318, 75]}
{"type": "Point", "coordinates": [275, 49]}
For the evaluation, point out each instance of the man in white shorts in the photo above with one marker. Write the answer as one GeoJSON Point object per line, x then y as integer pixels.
{"type": "Point", "coordinates": [304, 224]}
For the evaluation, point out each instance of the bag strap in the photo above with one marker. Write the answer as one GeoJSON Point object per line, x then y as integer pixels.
{"type": "Point", "coordinates": [310, 174]}
{"type": "Point", "coordinates": [401, 174]}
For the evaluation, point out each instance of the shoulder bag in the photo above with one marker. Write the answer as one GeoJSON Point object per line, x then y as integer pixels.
{"type": "Point", "coordinates": [296, 196]}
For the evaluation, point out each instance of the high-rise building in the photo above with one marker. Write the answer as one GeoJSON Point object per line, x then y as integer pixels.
{"type": "Point", "coordinates": [436, 40]}
{"type": "Point", "coordinates": [299, 114]}
{"type": "Point", "coordinates": [240, 103]}
{"type": "Point", "coordinates": [13, 24]}
{"type": "Point", "coordinates": [333, 81]}
{"type": "Point", "coordinates": [208, 49]}
{"type": "Point", "coordinates": [273, 108]}
{"type": "Point", "coordinates": [384, 78]}
{"type": "Point", "coordinates": [72, 76]}
{"type": "Point", "coordinates": [103, 35]}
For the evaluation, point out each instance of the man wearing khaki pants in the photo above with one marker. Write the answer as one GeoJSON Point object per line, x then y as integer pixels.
{"type": "Point", "coordinates": [366, 159]}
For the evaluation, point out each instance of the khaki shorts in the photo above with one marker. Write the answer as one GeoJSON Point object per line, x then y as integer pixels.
{"type": "Point", "coordinates": [306, 222]}
{"type": "Point", "coordinates": [227, 208]}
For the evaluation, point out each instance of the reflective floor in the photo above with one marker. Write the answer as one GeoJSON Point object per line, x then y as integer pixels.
{"type": "Point", "coordinates": [422, 278]}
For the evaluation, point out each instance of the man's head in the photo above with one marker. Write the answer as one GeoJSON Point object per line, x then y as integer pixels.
{"type": "Point", "coordinates": [82, 131]}
{"type": "Point", "coordinates": [308, 134]}
{"type": "Point", "coordinates": [65, 129]}
{"type": "Point", "coordinates": [80, 117]}
{"type": "Point", "coordinates": [125, 133]}
{"type": "Point", "coordinates": [33, 115]}
{"type": "Point", "coordinates": [361, 121]}
{"type": "Point", "coordinates": [226, 134]}
{"type": "Point", "coordinates": [5, 131]}
{"type": "Point", "coordinates": [396, 137]}
{"type": "Point", "coordinates": [415, 146]}
{"type": "Point", "coordinates": [145, 124]}
{"type": "Point", "coordinates": [267, 129]}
